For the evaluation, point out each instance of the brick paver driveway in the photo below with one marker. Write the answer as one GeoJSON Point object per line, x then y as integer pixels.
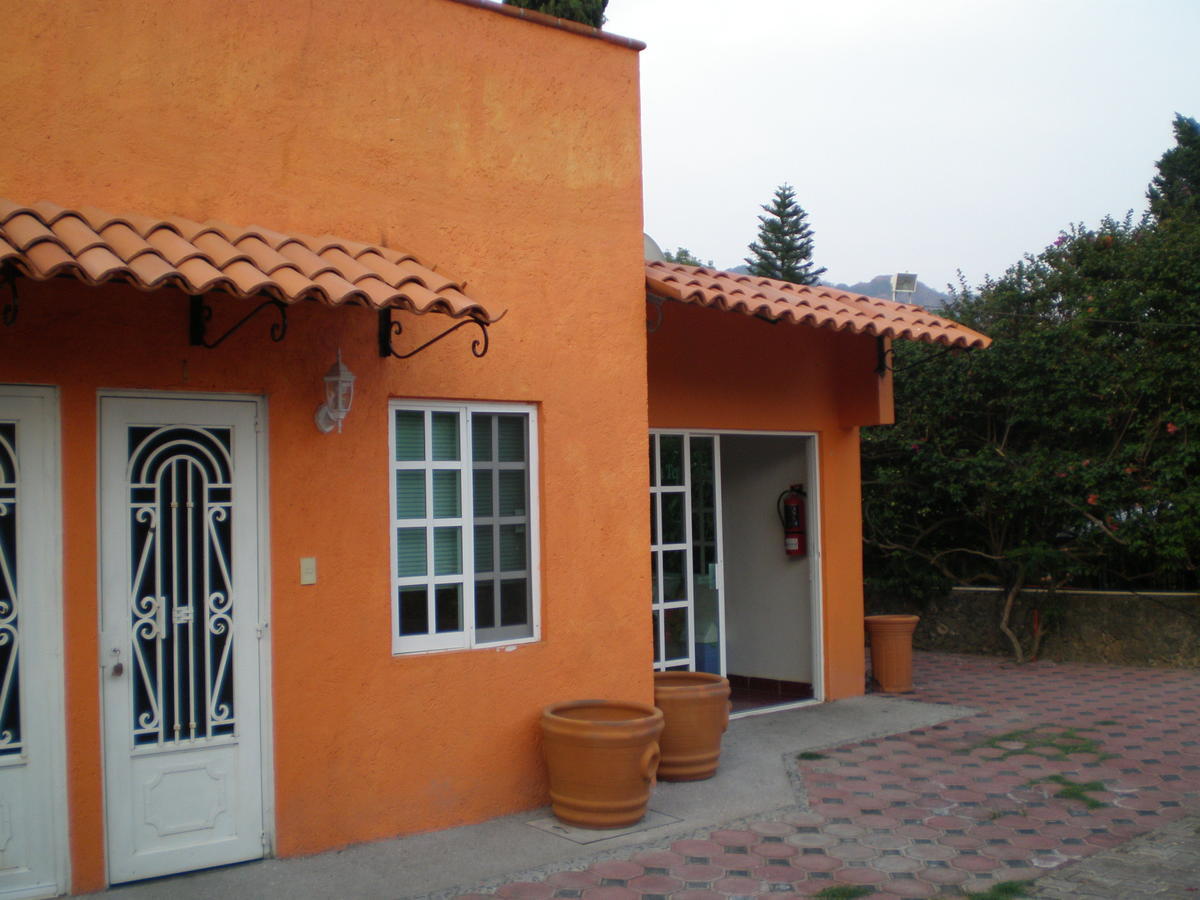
{"type": "Point", "coordinates": [1060, 762]}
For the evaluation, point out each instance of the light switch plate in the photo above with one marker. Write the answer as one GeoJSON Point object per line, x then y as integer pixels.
{"type": "Point", "coordinates": [308, 570]}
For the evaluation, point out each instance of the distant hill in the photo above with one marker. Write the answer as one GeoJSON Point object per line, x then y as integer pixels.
{"type": "Point", "coordinates": [880, 286]}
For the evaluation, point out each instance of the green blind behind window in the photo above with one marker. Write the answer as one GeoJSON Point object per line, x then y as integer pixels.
{"type": "Point", "coordinates": [410, 552]}
{"type": "Point", "coordinates": [512, 492]}
{"type": "Point", "coordinates": [512, 438]}
{"type": "Point", "coordinates": [410, 435]}
{"type": "Point", "coordinates": [410, 494]}
{"type": "Point", "coordinates": [512, 548]}
{"type": "Point", "coordinates": [483, 492]}
{"type": "Point", "coordinates": [484, 552]}
{"type": "Point", "coordinates": [444, 434]}
{"type": "Point", "coordinates": [481, 437]}
{"type": "Point", "coordinates": [446, 494]}
{"type": "Point", "coordinates": [447, 551]}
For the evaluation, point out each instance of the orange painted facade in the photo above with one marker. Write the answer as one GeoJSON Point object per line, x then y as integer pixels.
{"type": "Point", "coordinates": [718, 370]}
{"type": "Point", "coordinates": [430, 126]}
{"type": "Point", "coordinates": [426, 125]}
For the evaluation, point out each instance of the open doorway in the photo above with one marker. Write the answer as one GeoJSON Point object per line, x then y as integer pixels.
{"type": "Point", "coordinates": [727, 598]}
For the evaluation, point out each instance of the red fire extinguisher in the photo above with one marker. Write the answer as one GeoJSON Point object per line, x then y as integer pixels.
{"type": "Point", "coordinates": [790, 507]}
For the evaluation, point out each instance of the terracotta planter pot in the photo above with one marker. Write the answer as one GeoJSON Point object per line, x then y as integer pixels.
{"type": "Point", "coordinates": [602, 756]}
{"type": "Point", "coordinates": [695, 708]}
{"type": "Point", "coordinates": [891, 651]}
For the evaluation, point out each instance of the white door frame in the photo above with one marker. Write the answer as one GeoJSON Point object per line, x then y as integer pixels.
{"type": "Point", "coordinates": [815, 544]}
{"type": "Point", "coordinates": [39, 565]}
{"type": "Point", "coordinates": [265, 705]}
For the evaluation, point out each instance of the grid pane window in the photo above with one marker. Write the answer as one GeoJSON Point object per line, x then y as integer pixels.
{"type": "Point", "coordinates": [502, 524]}
{"type": "Point", "coordinates": [464, 529]}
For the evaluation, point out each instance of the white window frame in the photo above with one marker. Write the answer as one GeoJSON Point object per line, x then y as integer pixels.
{"type": "Point", "coordinates": [467, 637]}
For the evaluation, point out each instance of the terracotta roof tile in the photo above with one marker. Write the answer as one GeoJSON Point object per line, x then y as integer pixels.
{"type": "Point", "coordinates": [49, 258]}
{"type": "Point", "coordinates": [217, 250]}
{"type": "Point", "coordinates": [308, 263]}
{"type": "Point", "coordinates": [125, 242]}
{"type": "Point", "coordinates": [44, 240]}
{"type": "Point", "coordinates": [816, 305]}
{"type": "Point", "coordinates": [264, 256]}
{"type": "Point", "coordinates": [173, 248]}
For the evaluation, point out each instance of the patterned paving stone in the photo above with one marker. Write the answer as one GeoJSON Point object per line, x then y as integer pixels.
{"type": "Point", "coordinates": [955, 807]}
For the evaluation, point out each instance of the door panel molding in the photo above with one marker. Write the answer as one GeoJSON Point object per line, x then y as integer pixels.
{"type": "Point", "coordinates": [182, 615]}
{"type": "Point", "coordinates": [34, 851]}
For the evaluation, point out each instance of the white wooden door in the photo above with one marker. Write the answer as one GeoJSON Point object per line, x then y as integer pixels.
{"type": "Point", "coordinates": [33, 830]}
{"type": "Point", "coordinates": [181, 625]}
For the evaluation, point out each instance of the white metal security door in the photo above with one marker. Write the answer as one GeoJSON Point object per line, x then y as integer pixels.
{"type": "Point", "coordinates": [33, 832]}
{"type": "Point", "coordinates": [181, 623]}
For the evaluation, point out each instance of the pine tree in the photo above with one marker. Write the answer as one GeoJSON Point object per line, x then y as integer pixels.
{"type": "Point", "coordinates": [784, 247]}
{"type": "Point", "coordinates": [1175, 190]}
{"type": "Point", "coordinates": [589, 12]}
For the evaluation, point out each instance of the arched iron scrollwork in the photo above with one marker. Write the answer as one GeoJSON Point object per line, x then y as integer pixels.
{"type": "Point", "coordinates": [181, 593]}
{"type": "Point", "coordinates": [199, 314]}
{"type": "Point", "coordinates": [11, 736]}
{"type": "Point", "coordinates": [390, 328]}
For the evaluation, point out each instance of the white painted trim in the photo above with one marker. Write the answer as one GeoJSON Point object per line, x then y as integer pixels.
{"type": "Point", "coordinates": [454, 643]}
{"type": "Point", "coordinates": [265, 643]}
{"type": "Point", "coordinates": [733, 431]}
{"type": "Point", "coordinates": [51, 690]}
{"type": "Point", "coordinates": [266, 692]}
{"type": "Point", "coordinates": [815, 544]}
{"type": "Point", "coordinates": [767, 710]}
{"type": "Point", "coordinates": [718, 521]}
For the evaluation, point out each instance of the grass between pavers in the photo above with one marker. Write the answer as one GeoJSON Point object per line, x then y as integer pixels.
{"type": "Point", "coordinates": [1005, 890]}
{"type": "Point", "coordinates": [844, 892]}
{"type": "Point", "coordinates": [809, 754]}
{"type": "Point", "coordinates": [1059, 740]}
{"type": "Point", "coordinates": [1075, 790]}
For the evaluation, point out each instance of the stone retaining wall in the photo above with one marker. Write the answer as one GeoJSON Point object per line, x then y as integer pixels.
{"type": "Point", "coordinates": [1146, 630]}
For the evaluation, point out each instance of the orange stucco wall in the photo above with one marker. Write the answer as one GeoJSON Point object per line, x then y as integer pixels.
{"type": "Point", "coordinates": [426, 125]}
{"type": "Point", "coordinates": [721, 370]}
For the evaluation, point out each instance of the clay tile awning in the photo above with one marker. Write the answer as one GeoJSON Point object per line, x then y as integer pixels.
{"type": "Point", "coordinates": [44, 241]}
{"type": "Point", "coordinates": [816, 305]}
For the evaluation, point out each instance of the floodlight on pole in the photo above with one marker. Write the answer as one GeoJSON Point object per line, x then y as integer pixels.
{"type": "Point", "coordinates": [904, 283]}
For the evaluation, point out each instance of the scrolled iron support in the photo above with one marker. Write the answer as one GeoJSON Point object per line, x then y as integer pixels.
{"type": "Point", "coordinates": [200, 313]}
{"type": "Point", "coordinates": [9, 315]}
{"type": "Point", "coordinates": [652, 325]}
{"type": "Point", "coordinates": [882, 352]}
{"type": "Point", "coordinates": [390, 328]}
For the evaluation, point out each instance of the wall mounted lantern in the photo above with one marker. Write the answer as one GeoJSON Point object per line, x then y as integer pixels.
{"type": "Point", "coordinates": [339, 394]}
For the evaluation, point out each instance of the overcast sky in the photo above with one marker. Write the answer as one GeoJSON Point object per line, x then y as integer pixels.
{"type": "Point", "coordinates": [919, 135]}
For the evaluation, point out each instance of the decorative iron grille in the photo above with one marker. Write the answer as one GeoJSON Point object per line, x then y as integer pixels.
{"type": "Point", "coordinates": [181, 590]}
{"type": "Point", "coordinates": [11, 743]}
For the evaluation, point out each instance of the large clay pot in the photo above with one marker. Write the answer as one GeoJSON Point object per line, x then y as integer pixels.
{"type": "Point", "coordinates": [891, 651]}
{"type": "Point", "coordinates": [602, 756]}
{"type": "Point", "coordinates": [695, 708]}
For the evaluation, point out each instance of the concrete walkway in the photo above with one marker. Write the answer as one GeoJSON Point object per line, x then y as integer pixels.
{"type": "Point", "coordinates": [989, 774]}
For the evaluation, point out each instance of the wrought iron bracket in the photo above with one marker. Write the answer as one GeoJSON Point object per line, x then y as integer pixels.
{"type": "Point", "coordinates": [652, 325]}
{"type": "Point", "coordinates": [389, 328]}
{"type": "Point", "coordinates": [881, 355]}
{"type": "Point", "coordinates": [8, 275]}
{"type": "Point", "coordinates": [199, 314]}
